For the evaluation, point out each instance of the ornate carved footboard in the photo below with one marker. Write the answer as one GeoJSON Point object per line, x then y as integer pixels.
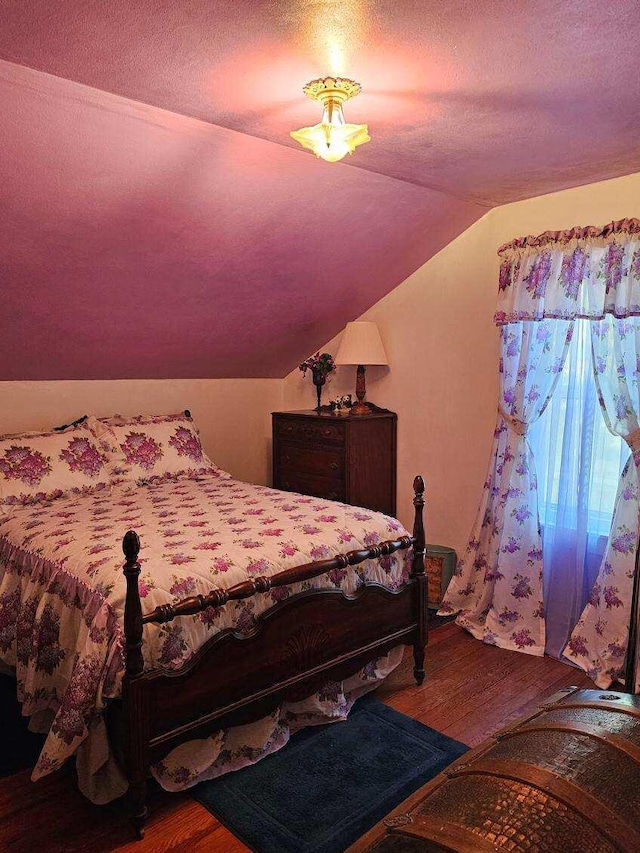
{"type": "Point", "coordinates": [295, 647]}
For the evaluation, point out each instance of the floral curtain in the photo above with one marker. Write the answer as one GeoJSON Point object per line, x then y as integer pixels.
{"type": "Point", "coordinates": [497, 587]}
{"type": "Point", "coordinates": [545, 283]}
{"type": "Point", "coordinates": [599, 641]}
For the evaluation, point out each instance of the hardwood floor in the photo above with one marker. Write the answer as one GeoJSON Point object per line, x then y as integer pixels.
{"type": "Point", "coordinates": [471, 690]}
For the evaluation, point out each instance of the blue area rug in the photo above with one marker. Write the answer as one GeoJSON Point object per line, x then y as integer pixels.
{"type": "Point", "coordinates": [331, 783]}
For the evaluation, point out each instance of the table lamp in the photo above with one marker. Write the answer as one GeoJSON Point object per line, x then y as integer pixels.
{"type": "Point", "coordinates": [361, 344]}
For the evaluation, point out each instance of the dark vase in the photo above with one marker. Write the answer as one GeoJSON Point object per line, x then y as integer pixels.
{"type": "Point", "coordinates": [319, 378]}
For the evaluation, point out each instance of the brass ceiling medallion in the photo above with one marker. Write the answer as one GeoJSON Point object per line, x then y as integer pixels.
{"type": "Point", "coordinates": [332, 87]}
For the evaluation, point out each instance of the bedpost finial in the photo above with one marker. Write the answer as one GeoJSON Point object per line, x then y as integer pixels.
{"type": "Point", "coordinates": [418, 522]}
{"type": "Point", "coordinates": [131, 546]}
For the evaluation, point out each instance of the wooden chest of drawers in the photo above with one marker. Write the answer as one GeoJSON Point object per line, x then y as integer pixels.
{"type": "Point", "coordinates": [342, 458]}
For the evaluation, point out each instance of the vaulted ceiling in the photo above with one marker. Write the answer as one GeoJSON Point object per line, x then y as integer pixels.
{"type": "Point", "coordinates": [158, 220]}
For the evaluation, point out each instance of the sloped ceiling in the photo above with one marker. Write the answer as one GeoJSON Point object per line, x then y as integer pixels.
{"type": "Point", "coordinates": [158, 221]}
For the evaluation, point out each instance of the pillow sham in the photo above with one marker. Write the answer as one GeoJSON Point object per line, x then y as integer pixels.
{"type": "Point", "coordinates": [147, 448]}
{"type": "Point", "coordinates": [37, 467]}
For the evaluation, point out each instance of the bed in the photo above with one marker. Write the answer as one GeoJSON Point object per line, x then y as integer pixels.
{"type": "Point", "coordinates": [244, 604]}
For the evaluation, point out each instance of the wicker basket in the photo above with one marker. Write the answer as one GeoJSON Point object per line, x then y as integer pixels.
{"type": "Point", "coordinates": [440, 564]}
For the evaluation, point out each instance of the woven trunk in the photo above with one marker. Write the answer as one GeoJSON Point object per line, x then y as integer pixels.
{"type": "Point", "coordinates": [565, 780]}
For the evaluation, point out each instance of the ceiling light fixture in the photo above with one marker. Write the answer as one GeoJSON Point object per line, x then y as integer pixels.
{"type": "Point", "coordinates": [332, 138]}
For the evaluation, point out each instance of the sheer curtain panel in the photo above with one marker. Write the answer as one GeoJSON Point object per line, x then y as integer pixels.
{"type": "Point", "coordinates": [579, 464]}
{"type": "Point", "coordinates": [599, 642]}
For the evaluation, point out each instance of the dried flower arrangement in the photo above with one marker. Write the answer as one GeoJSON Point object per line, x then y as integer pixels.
{"type": "Point", "coordinates": [320, 365]}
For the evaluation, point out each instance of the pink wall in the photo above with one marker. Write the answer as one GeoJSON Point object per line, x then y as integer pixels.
{"type": "Point", "coordinates": [443, 352]}
{"type": "Point", "coordinates": [436, 327]}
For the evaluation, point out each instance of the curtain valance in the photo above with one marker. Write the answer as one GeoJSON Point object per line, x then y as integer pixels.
{"type": "Point", "coordinates": [579, 273]}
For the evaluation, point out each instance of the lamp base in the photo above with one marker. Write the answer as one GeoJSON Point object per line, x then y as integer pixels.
{"type": "Point", "coordinates": [369, 409]}
{"type": "Point", "coordinates": [361, 408]}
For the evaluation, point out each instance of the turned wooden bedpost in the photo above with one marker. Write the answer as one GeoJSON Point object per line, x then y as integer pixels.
{"type": "Point", "coordinates": [136, 753]}
{"type": "Point", "coordinates": [132, 607]}
{"type": "Point", "coordinates": [418, 573]}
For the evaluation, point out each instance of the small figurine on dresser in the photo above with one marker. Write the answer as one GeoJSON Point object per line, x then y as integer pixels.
{"type": "Point", "coordinates": [342, 405]}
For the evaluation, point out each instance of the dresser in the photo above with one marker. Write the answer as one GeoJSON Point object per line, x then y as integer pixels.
{"type": "Point", "coordinates": [340, 457]}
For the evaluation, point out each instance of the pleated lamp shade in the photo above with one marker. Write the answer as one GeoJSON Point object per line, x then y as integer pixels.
{"type": "Point", "coordinates": [361, 344]}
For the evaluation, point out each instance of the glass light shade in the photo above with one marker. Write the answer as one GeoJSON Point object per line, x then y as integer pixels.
{"type": "Point", "coordinates": [332, 139]}
{"type": "Point", "coordinates": [361, 344]}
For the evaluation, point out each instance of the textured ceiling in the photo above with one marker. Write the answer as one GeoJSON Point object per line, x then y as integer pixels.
{"type": "Point", "coordinates": [158, 221]}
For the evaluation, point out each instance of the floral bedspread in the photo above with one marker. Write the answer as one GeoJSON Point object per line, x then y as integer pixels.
{"type": "Point", "coordinates": [62, 589]}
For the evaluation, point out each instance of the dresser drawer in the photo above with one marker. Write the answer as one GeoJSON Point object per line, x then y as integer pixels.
{"type": "Point", "coordinates": [324, 461]}
{"type": "Point", "coordinates": [347, 459]}
{"type": "Point", "coordinates": [331, 432]}
{"type": "Point", "coordinates": [312, 484]}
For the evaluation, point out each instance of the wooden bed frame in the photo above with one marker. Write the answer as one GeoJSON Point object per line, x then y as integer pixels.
{"type": "Point", "coordinates": [295, 648]}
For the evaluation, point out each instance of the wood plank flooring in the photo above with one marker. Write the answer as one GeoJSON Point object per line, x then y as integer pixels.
{"type": "Point", "coordinates": [471, 690]}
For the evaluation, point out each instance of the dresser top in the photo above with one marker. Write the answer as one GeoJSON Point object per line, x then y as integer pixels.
{"type": "Point", "coordinates": [331, 416]}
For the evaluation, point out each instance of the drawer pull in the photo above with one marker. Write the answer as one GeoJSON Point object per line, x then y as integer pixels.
{"type": "Point", "coordinates": [334, 466]}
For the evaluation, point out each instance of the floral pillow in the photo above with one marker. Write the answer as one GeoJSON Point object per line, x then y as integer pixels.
{"type": "Point", "coordinates": [40, 466]}
{"type": "Point", "coordinates": [147, 448]}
